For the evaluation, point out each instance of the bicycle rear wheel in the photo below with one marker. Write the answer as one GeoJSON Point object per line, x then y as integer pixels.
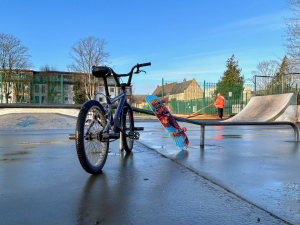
{"type": "Point", "coordinates": [127, 126]}
{"type": "Point", "coordinates": [92, 153]}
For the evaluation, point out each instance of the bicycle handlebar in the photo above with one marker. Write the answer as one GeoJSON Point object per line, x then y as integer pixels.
{"type": "Point", "coordinates": [129, 74]}
{"type": "Point", "coordinates": [144, 64]}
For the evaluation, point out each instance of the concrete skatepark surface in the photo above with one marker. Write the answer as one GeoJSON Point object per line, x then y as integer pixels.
{"type": "Point", "coordinates": [269, 108]}
{"type": "Point", "coordinates": [243, 175]}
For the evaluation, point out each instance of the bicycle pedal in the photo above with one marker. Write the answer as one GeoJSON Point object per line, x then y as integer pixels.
{"type": "Point", "coordinates": [133, 135]}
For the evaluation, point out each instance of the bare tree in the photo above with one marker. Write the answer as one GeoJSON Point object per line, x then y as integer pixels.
{"type": "Point", "coordinates": [266, 71]}
{"type": "Point", "coordinates": [292, 37]}
{"type": "Point", "coordinates": [86, 53]}
{"type": "Point", "coordinates": [48, 68]}
{"type": "Point", "coordinates": [13, 57]}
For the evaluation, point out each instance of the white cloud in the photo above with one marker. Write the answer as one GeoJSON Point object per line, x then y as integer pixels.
{"type": "Point", "coordinates": [264, 23]}
{"type": "Point", "coordinates": [123, 61]}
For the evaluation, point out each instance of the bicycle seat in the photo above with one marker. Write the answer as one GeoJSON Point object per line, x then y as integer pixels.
{"type": "Point", "coordinates": [101, 71]}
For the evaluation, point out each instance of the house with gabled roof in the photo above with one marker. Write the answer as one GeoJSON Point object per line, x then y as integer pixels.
{"type": "Point", "coordinates": [139, 101]}
{"type": "Point", "coordinates": [186, 90]}
{"type": "Point", "coordinates": [167, 88]}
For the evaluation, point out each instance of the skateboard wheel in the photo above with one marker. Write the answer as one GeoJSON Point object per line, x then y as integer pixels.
{"type": "Point", "coordinates": [184, 129]}
{"type": "Point", "coordinates": [153, 103]}
{"type": "Point", "coordinates": [163, 100]}
{"type": "Point", "coordinates": [174, 134]}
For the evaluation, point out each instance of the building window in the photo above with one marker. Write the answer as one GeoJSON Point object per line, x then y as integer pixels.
{"type": "Point", "coordinates": [37, 88]}
{"type": "Point", "coordinates": [112, 89]}
{"type": "Point", "coordinates": [66, 88]}
{"type": "Point", "coordinates": [100, 99]}
{"type": "Point", "coordinates": [127, 91]}
{"type": "Point", "coordinates": [66, 98]}
{"type": "Point", "coordinates": [36, 99]}
{"type": "Point", "coordinates": [43, 88]}
{"type": "Point", "coordinates": [195, 90]}
{"type": "Point", "coordinates": [101, 89]}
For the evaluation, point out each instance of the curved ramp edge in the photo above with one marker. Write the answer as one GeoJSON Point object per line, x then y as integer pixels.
{"type": "Point", "coordinates": [264, 108]}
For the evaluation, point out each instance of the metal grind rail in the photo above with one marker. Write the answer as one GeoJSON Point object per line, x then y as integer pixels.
{"type": "Point", "coordinates": [202, 124]}
{"type": "Point", "coordinates": [212, 123]}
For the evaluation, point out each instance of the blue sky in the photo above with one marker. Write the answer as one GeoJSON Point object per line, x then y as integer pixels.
{"type": "Point", "coordinates": [182, 39]}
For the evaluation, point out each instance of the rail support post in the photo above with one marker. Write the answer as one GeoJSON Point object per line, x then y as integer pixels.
{"type": "Point", "coordinates": [202, 133]}
{"type": "Point", "coordinates": [121, 147]}
{"type": "Point", "coordinates": [296, 132]}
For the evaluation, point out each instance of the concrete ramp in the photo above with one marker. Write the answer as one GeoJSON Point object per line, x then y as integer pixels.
{"type": "Point", "coordinates": [265, 108]}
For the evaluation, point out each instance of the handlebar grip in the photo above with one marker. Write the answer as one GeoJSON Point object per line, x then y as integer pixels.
{"type": "Point", "coordinates": [144, 64]}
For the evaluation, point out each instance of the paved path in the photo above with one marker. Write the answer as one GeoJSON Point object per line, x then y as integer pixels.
{"type": "Point", "coordinates": [241, 174]}
{"type": "Point", "coordinates": [42, 182]}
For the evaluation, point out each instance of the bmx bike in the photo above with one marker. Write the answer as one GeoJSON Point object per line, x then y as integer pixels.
{"type": "Point", "coordinates": [97, 126]}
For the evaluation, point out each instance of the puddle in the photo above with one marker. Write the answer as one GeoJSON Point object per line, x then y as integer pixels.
{"type": "Point", "coordinates": [182, 154]}
{"type": "Point", "coordinates": [18, 153]}
{"type": "Point", "coordinates": [7, 160]}
{"type": "Point", "coordinates": [160, 146]}
{"type": "Point", "coordinates": [42, 142]}
{"type": "Point", "coordinates": [210, 147]}
{"type": "Point", "coordinates": [224, 136]}
{"type": "Point", "coordinates": [112, 153]}
{"type": "Point", "coordinates": [221, 136]}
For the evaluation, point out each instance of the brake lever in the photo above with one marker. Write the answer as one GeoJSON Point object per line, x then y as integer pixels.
{"type": "Point", "coordinates": [138, 71]}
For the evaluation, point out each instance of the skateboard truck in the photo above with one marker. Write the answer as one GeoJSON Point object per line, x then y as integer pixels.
{"type": "Point", "coordinates": [178, 132]}
{"type": "Point", "coordinates": [158, 104]}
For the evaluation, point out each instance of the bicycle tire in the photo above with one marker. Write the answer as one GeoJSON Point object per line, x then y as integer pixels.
{"type": "Point", "coordinates": [127, 125]}
{"type": "Point", "coordinates": [92, 154]}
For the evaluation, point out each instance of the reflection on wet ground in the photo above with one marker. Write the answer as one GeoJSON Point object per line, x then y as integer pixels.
{"type": "Point", "coordinates": [257, 164]}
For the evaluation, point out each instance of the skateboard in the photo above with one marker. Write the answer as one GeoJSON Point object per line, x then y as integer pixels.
{"type": "Point", "coordinates": [168, 121]}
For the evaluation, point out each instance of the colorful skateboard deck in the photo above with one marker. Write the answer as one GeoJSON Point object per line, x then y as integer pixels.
{"type": "Point", "coordinates": [168, 121]}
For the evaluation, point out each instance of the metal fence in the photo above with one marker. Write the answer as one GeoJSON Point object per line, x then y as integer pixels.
{"type": "Point", "coordinates": [193, 99]}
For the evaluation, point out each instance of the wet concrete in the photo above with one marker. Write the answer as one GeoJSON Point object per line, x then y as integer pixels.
{"type": "Point", "coordinates": [42, 182]}
{"type": "Point", "coordinates": [259, 164]}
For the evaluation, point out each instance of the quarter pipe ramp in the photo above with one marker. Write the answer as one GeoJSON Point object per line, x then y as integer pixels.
{"type": "Point", "coordinates": [279, 107]}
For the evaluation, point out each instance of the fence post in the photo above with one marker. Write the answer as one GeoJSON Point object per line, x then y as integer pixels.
{"type": "Point", "coordinates": [203, 102]}
{"type": "Point", "coordinates": [162, 88]}
{"type": "Point", "coordinates": [242, 96]}
{"type": "Point", "coordinates": [282, 82]}
{"type": "Point", "coordinates": [1, 88]}
{"type": "Point", "coordinates": [61, 90]}
{"type": "Point", "coordinates": [254, 84]}
{"type": "Point", "coordinates": [296, 88]}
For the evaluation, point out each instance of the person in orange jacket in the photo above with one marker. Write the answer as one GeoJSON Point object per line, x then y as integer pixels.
{"type": "Point", "coordinates": [219, 103]}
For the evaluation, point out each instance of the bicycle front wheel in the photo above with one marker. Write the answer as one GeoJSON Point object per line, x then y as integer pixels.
{"type": "Point", "coordinates": [127, 126]}
{"type": "Point", "coordinates": [92, 153]}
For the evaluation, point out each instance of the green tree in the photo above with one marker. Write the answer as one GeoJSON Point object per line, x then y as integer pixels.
{"type": "Point", "coordinates": [231, 81]}
{"type": "Point", "coordinates": [285, 72]}
{"type": "Point", "coordinates": [78, 93]}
